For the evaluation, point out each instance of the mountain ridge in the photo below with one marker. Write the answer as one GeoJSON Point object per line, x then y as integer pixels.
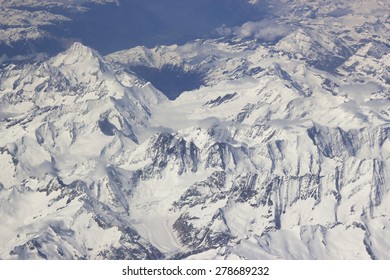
{"type": "Point", "coordinates": [280, 151]}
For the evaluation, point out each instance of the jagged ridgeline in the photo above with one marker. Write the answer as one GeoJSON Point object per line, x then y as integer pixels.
{"type": "Point", "coordinates": [248, 146]}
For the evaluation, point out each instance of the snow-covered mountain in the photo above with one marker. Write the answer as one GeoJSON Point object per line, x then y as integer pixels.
{"type": "Point", "coordinates": [272, 142]}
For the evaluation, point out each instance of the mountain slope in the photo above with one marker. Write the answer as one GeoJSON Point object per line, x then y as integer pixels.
{"type": "Point", "coordinates": [64, 121]}
{"type": "Point", "coordinates": [278, 149]}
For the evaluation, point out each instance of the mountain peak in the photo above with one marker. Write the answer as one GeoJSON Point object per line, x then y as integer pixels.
{"type": "Point", "coordinates": [82, 52]}
{"type": "Point", "coordinates": [80, 64]}
{"type": "Point", "coordinates": [77, 54]}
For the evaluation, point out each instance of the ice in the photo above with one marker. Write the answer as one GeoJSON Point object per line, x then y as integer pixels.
{"type": "Point", "coordinates": [282, 152]}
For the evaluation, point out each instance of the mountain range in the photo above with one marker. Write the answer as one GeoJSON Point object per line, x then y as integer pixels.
{"type": "Point", "coordinates": [260, 136]}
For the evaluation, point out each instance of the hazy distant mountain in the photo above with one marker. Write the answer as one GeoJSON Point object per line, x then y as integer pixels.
{"type": "Point", "coordinates": [51, 26]}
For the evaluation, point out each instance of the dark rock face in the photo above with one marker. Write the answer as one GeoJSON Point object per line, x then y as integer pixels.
{"type": "Point", "coordinates": [166, 149]}
{"type": "Point", "coordinates": [172, 80]}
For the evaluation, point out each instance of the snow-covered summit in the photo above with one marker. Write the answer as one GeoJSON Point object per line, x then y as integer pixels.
{"type": "Point", "coordinates": [77, 54]}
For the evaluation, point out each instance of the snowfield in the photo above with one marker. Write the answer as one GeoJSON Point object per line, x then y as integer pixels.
{"type": "Point", "coordinates": [281, 152]}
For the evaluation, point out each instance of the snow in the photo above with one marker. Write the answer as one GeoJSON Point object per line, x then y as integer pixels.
{"type": "Point", "coordinates": [280, 154]}
{"type": "Point", "coordinates": [151, 200]}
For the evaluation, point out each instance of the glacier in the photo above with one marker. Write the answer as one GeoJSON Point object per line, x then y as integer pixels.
{"type": "Point", "coordinates": [280, 151]}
